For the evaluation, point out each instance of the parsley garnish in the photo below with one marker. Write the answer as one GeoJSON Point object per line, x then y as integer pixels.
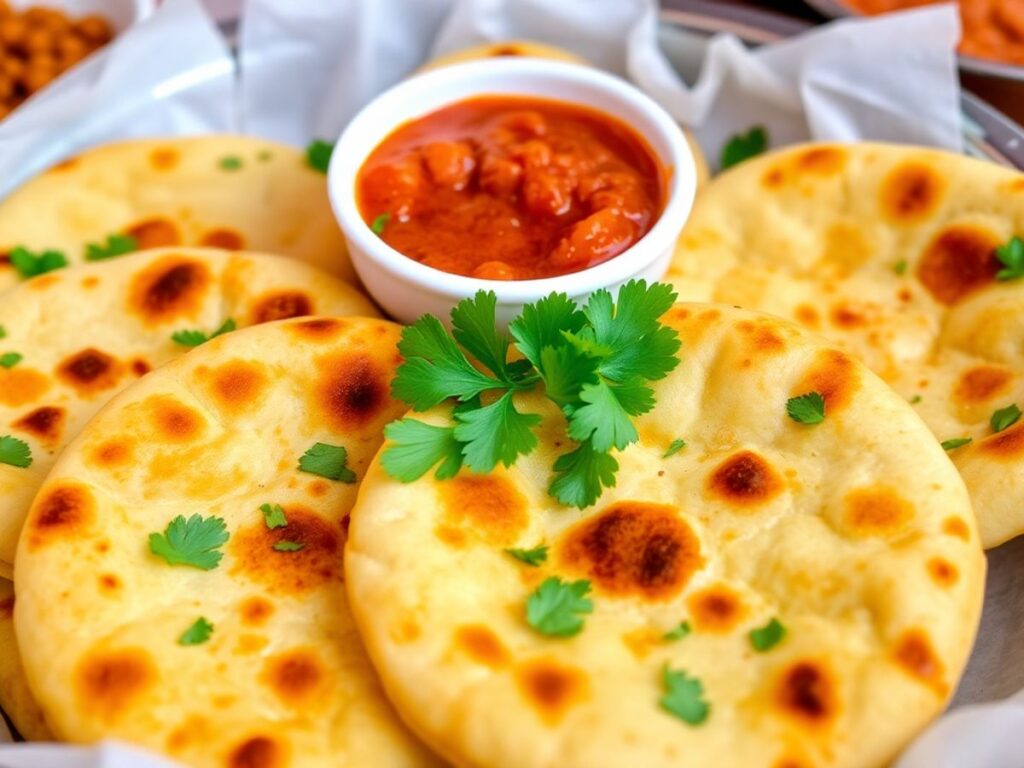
{"type": "Point", "coordinates": [532, 557]}
{"type": "Point", "coordinates": [595, 363]}
{"type": "Point", "coordinates": [1005, 418]}
{"type": "Point", "coordinates": [900, 267]}
{"type": "Point", "coordinates": [3, 332]}
{"type": "Point", "coordinates": [191, 542]}
{"type": "Point", "coordinates": [193, 338]}
{"type": "Point", "coordinates": [10, 359]}
{"type": "Point", "coordinates": [674, 447]}
{"type": "Point", "coordinates": [684, 696]}
{"type": "Point", "coordinates": [318, 155]}
{"type": "Point", "coordinates": [330, 461]}
{"type": "Point", "coordinates": [31, 264]}
{"type": "Point", "coordinates": [554, 607]}
{"type": "Point", "coordinates": [1011, 256]}
{"type": "Point", "coordinates": [806, 409]}
{"type": "Point", "coordinates": [197, 634]}
{"type": "Point", "coordinates": [679, 632]}
{"type": "Point", "coordinates": [288, 546]}
{"type": "Point", "coordinates": [767, 637]}
{"type": "Point", "coordinates": [116, 245]}
{"type": "Point", "coordinates": [379, 223]}
{"type": "Point", "coordinates": [15, 452]}
{"type": "Point", "coordinates": [915, 400]}
{"type": "Point", "coordinates": [744, 146]}
{"type": "Point", "coordinates": [956, 442]}
{"type": "Point", "coordinates": [230, 163]}
{"type": "Point", "coordinates": [273, 516]}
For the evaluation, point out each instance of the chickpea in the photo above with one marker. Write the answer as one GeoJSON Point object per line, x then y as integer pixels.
{"type": "Point", "coordinates": [6, 88]}
{"type": "Point", "coordinates": [12, 66]}
{"type": "Point", "coordinates": [37, 40]}
{"type": "Point", "coordinates": [94, 29]}
{"type": "Point", "coordinates": [71, 49]}
{"type": "Point", "coordinates": [12, 31]}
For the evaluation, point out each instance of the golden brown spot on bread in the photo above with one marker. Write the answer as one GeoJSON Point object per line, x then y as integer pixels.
{"type": "Point", "coordinates": [876, 511]}
{"type": "Point", "coordinates": [846, 317]}
{"type": "Point", "coordinates": [914, 654]}
{"type": "Point", "coordinates": [450, 535]}
{"type": "Point", "coordinates": [406, 630]}
{"type": "Point", "coordinates": [960, 261]}
{"type": "Point", "coordinates": [59, 512]}
{"type": "Point", "coordinates": [7, 607]}
{"type": "Point", "coordinates": [45, 424]}
{"type": "Point", "coordinates": [319, 329]}
{"type": "Point", "coordinates": [259, 752]}
{"type": "Point", "coordinates": [488, 505]}
{"type": "Point", "coordinates": [294, 675]}
{"type": "Point", "coordinates": [164, 158]}
{"type": "Point", "coordinates": [808, 316]}
{"type": "Point", "coordinates": [982, 383]}
{"type": "Point", "coordinates": [106, 682]}
{"type": "Point", "coordinates": [716, 609]}
{"type": "Point", "coordinates": [90, 371]}
{"type": "Point", "coordinates": [154, 233]}
{"type": "Point", "coordinates": [824, 161]}
{"type": "Point", "coordinates": [761, 337]}
{"type": "Point", "coordinates": [634, 548]}
{"type": "Point", "coordinates": [642, 641]}
{"type": "Point", "coordinates": [482, 645]}
{"type": "Point", "coordinates": [954, 526]}
{"type": "Point", "coordinates": [352, 391]}
{"type": "Point", "coordinates": [255, 610]}
{"type": "Point", "coordinates": [109, 582]}
{"type": "Point", "coordinates": [508, 50]}
{"type": "Point", "coordinates": [237, 385]}
{"type": "Point", "coordinates": [943, 572]}
{"type": "Point", "coordinates": [43, 282]}
{"type": "Point", "coordinates": [807, 693]}
{"type": "Point", "coordinates": [318, 489]}
{"type": "Point", "coordinates": [21, 386]}
{"type": "Point", "coordinates": [744, 480]}
{"type": "Point", "coordinates": [140, 367]}
{"type": "Point", "coordinates": [551, 688]}
{"type": "Point", "coordinates": [172, 421]}
{"type": "Point", "coordinates": [910, 192]}
{"type": "Point", "coordinates": [90, 282]}
{"type": "Point", "coordinates": [773, 177]}
{"type": "Point", "coordinates": [318, 562]}
{"type": "Point", "coordinates": [834, 376]}
{"type": "Point", "coordinates": [1008, 444]}
{"type": "Point", "coordinates": [170, 288]}
{"type": "Point", "coordinates": [280, 305]}
{"type": "Point", "coordinates": [64, 165]}
{"type": "Point", "coordinates": [112, 453]}
{"type": "Point", "coordinates": [224, 238]}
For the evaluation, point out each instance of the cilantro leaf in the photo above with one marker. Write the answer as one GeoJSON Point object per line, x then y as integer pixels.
{"type": "Point", "coordinates": [475, 328]}
{"type": "Point", "coordinates": [532, 557]}
{"type": "Point", "coordinates": [554, 608]}
{"type": "Point", "coordinates": [1005, 418]}
{"type": "Point", "coordinates": [684, 696]}
{"type": "Point", "coordinates": [288, 546]}
{"type": "Point", "coordinates": [197, 634]}
{"type": "Point", "coordinates": [767, 637]}
{"type": "Point", "coordinates": [3, 332]}
{"type": "Point", "coordinates": [116, 245]}
{"type": "Point", "coordinates": [326, 460]}
{"type": "Point", "coordinates": [602, 419]}
{"type": "Point", "coordinates": [744, 146]}
{"type": "Point", "coordinates": [273, 516]}
{"type": "Point", "coordinates": [566, 371]}
{"type": "Point", "coordinates": [580, 476]}
{"type": "Point", "coordinates": [416, 446]}
{"type": "Point", "coordinates": [1011, 256]}
{"type": "Point", "coordinates": [495, 433]}
{"type": "Point", "coordinates": [900, 267]}
{"type": "Point", "coordinates": [230, 163]}
{"type": "Point", "coordinates": [678, 632]}
{"type": "Point", "coordinates": [379, 222]}
{"type": "Point", "coordinates": [10, 359]}
{"type": "Point", "coordinates": [193, 338]}
{"type": "Point", "coordinates": [956, 442]}
{"type": "Point", "coordinates": [191, 542]}
{"type": "Point", "coordinates": [15, 452]}
{"type": "Point", "coordinates": [540, 325]}
{"type": "Point", "coordinates": [318, 155]}
{"type": "Point", "coordinates": [806, 409]}
{"type": "Point", "coordinates": [30, 264]}
{"type": "Point", "coordinates": [915, 399]}
{"type": "Point", "coordinates": [674, 447]}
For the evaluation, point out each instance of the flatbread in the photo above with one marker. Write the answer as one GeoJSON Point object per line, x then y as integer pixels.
{"type": "Point", "coordinates": [16, 700]}
{"type": "Point", "coordinates": [888, 251]}
{"type": "Point", "coordinates": [856, 533]}
{"type": "Point", "coordinates": [225, 191]}
{"type": "Point", "coordinates": [283, 680]}
{"type": "Point", "coordinates": [88, 332]}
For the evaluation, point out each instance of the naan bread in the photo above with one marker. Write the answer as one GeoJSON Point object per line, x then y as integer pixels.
{"type": "Point", "coordinates": [856, 533]}
{"type": "Point", "coordinates": [86, 333]}
{"type": "Point", "coordinates": [888, 251]}
{"type": "Point", "coordinates": [283, 680]}
{"type": "Point", "coordinates": [16, 700]}
{"type": "Point", "coordinates": [224, 191]}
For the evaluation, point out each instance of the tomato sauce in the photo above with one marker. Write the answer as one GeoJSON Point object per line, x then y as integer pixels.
{"type": "Point", "coordinates": [512, 188]}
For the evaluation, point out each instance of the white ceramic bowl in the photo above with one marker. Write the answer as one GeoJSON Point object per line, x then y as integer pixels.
{"type": "Point", "coordinates": [407, 289]}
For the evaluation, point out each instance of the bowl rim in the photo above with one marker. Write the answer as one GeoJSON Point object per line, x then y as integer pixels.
{"type": "Point", "coordinates": [660, 129]}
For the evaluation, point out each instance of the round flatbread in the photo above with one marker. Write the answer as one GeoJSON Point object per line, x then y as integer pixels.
{"type": "Point", "coordinates": [84, 334]}
{"type": "Point", "coordinates": [223, 191]}
{"type": "Point", "coordinates": [855, 533]}
{"type": "Point", "coordinates": [16, 700]}
{"type": "Point", "coordinates": [282, 680]}
{"type": "Point", "coordinates": [891, 252]}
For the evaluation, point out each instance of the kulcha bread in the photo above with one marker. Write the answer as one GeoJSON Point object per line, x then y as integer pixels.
{"type": "Point", "coordinates": [855, 533]}
{"type": "Point", "coordinates": [283, 679]}
{"type": "Point", "coordinates": [16, 700]}
{"type": "Point", "coordinates": [87, 332]}
{"type": "Point", "coordinates": [889, 251]}
{"type": "Point", "coordinates": [224, 191]}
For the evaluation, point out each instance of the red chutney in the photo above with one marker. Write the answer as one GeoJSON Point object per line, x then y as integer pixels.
{"type": "Point", "coordinates": [512, 188]}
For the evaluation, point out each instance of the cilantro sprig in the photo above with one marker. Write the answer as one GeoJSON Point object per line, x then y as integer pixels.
{"type": "Point", "coordinates": [532, 557]}
{"type": "Point", "coordinates": [193, 338]}
{"type": "Point", "coordinates": [956, 442]}
{"type": "Point", "coordinates": [195, 542]}
{"type": "Point", "coordinates": [684, 696]}
{"type": "Point", "coordinates": [678, 632]}
{"type": "Point", "coordinates": [318, 155]}
{"type": "Point", "coordinates": [379, 223]}
{"type": "Point", "coordinates": [674, 447]}
{"type": "Point", "coordinates": [115, 245]}
{"type": "Point", "coordinates": [744, 146]}
{"type": "Point", "coordinates": [767, 637]}
{"type": "Point", "coordinates": [1011, 256]}
{"type": "Point", "coordinates": [594, 362]}
{"type": "Point", "coordinates": [806, 409]}
{"type": "Point", "coordinates": [555, 607]}
{"type": "Point", "coordinates": [10, 359]}
{"type": "Point", "coordinates": [326, 460]}
{"type": "Point", "coordinates": [30, 264]}
{"type": "Point", "coordinates": [1005, 418]}
{"type": "Point", "coordinates": [197, 634]}
{"type": "Point", "coordinates": [15, 452]}
{"type": "Point", "coordinates": [273, 516]}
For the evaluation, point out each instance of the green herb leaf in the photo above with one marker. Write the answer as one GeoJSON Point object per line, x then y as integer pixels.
{"type": "Point", "coordinates": [379, 223]}
{"type": "Point", "coordinates": [1011, 256]}
{"type": "Point", "coordinates": [684, 696]}
{"type": "Point", "coordinates": [3, 332]}
{"type": "Point", "coordinates": [116, 245]}
{"type": "Point", "coordinates": [288, 546]}
{"type": "Point", "coordinates": [273, 516]}
{"type": "Point", "coordinates": [326, 460]}
{"type": "Point", "coordinates": [474, 327]}
{"type": "Point", "coordinates": [15, 452]}
{"type": "Point", "coordinates": [197, 634]}
{"type": "Point", "coordinates": [1005, 418]}
{"type": "Point", "coordinates": [541, 324]}
{"type": "Point", "coordinates": [496, 433]}
{"type": "Point", "coordinates": [900, 267]}
{"type": "Point", "coordinates": [30, 264]}
{"type": "Point", "coordinates": [193, 338]}
{"type": "Point", "coordinates": [806, 409]}
{"type": "Point", "coordinates": [915, 400]}
{"type": "Point", "coordinates": [415, 447]}
{"type": "Point", "coordinates": [532, 557]}
{"type": "Point", "coordinates": [566, 371]}
{"type": "Point", "coordinates": [318, 155]}
{"type": "Point", "coordinates": [767, 637]}
{"type": "Point", "coordinates": [554, 609]}
{"type": "Point", "coordinates": [602, 419]}
{"type": "Point", "coordinates": [230, 163]}
{"type": "Point", "coordinates": [744, 146]}
{"type": "Point", "coordinates": [194, 542]}
{"type": "Point", "coordinates": [679, 632]}
{"type": "Point", "coordinates": [10, 359]}
{"type": "Point", "coordinates": [956, 442]}
{"type": "Point", "coordinates": [580, 476]}
{"type": "Point", "coordinates": [674, 447]}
